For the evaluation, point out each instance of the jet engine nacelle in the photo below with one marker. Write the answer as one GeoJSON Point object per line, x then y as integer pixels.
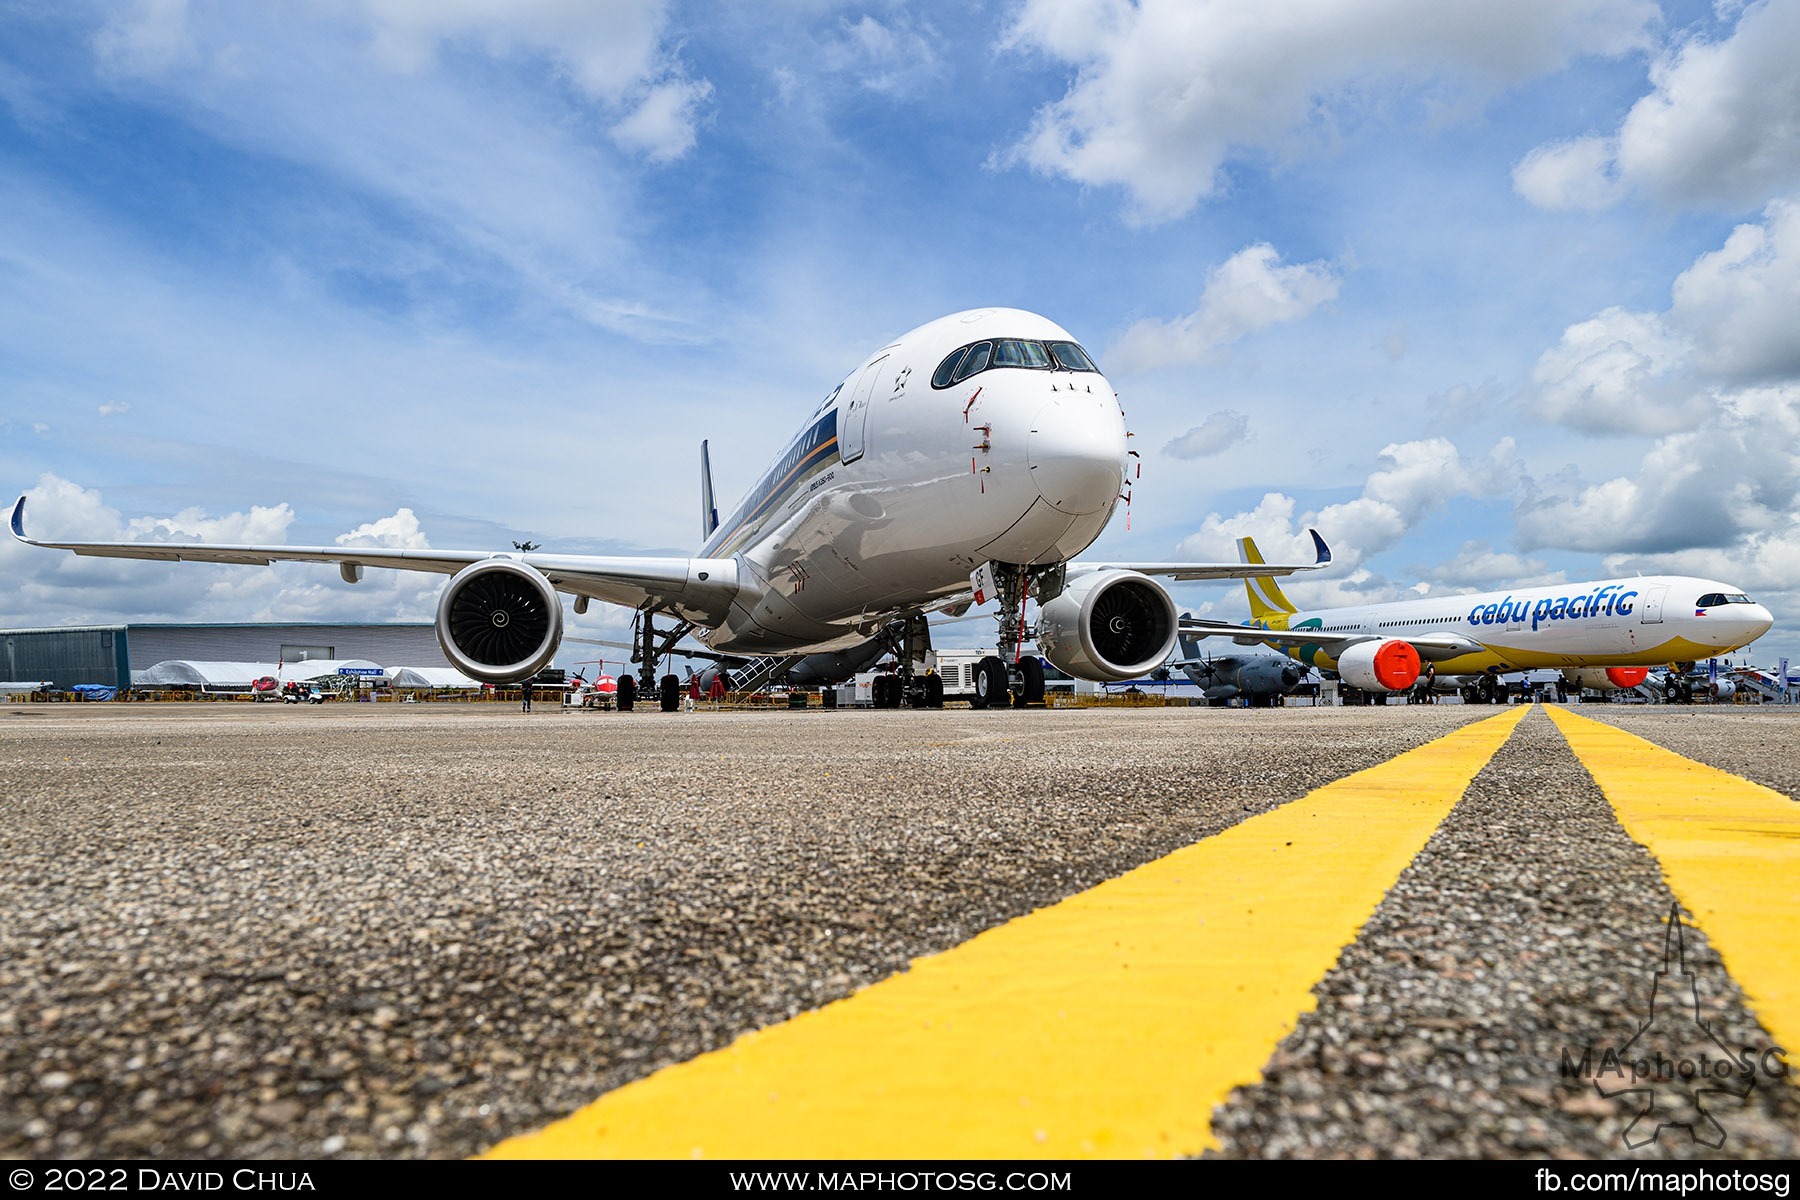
{"type": "Point", "coordinates": [1723, 689]}
{"type": "Point", "coordinates": [499, 621]}
{"type": "Point", "coordinates": [1108, 626]}
{"type": "Point", "coordinates": [1379, 666]}
{"type": "Point", "coordinates": [1607, 679]}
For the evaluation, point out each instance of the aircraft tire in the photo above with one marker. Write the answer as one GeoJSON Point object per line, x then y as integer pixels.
{"type": "Point", "coordinates": [878, 691]}
{"type": "Point", "coordinates": [671, 693]}
{"type": "Point", "coordinates": [990, 684]}
{"type": "Point", "coordinates": [1031, 678]}
{"type": "Point", "coordinates": [934, 691]}
{"type": "Point", "coordinates": [627, 693]}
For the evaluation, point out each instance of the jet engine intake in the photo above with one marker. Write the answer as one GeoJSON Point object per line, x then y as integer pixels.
{"type": "Point", "coordinates": [1379, 666]}
{"type": "Point", "coordinates": [1108, 626]}
{"type": "Point", "coordinates": [1607, 679]}
{"type": "Point", "coordinates": [499, 621]}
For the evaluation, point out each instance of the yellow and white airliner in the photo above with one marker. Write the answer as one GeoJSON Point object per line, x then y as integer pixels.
{"type": "Point", "coordinates": [970, 459]}
{"type": "Point", "coordinates": [1604, 635]}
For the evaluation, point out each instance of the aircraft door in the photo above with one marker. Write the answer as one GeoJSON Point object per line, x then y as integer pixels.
{"type": "Point", "coordinates": [853, 414]}
{"type": "Point", "coordinates": [1651, 611]}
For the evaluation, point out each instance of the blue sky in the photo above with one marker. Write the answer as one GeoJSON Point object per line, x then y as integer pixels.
{"type": "Point", "coordinates": [1491, 294]}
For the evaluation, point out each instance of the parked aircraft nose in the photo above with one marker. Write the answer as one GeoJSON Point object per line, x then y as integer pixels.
{"type": "Point", "coordinates": [1729, 626]}
{"type": "Point", "coordinates": [1077, 451]}
{"type": "Point", "coordinates": [1757, 621]}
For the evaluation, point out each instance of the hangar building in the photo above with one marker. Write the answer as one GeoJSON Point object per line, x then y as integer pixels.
{"type": "Point", "coordinates": [108, 654]}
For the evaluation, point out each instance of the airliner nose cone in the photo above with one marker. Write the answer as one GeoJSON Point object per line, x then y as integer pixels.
{"type": "Point", "coordinates": [1077, 451]}
{"type": "Point", "coordinates": [1760, 620]}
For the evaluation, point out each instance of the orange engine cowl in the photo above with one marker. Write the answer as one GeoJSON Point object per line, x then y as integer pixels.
{"type": "Point", "coordinates": [1607, 679]}
{"type": "Point", "coordinates": [1379, 666]}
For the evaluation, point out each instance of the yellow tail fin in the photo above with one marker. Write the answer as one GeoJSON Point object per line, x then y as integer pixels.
{"type": "Point", "coordinates": [1266, 597]}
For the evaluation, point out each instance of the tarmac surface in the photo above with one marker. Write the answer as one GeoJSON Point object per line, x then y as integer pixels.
{"type": "Point", "coordinates": [371, 931]}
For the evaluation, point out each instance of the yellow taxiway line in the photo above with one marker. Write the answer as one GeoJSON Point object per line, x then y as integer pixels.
{"type": "Point", "coordinates": [1107, 1025]}
{"type": "Point", "coordinates": [1729, 848]}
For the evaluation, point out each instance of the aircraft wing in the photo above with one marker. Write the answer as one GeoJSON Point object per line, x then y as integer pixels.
{"type": "Point", "coordinates": [699, 588]}
{"type": "Point", "coordinates": [1236, 570]}
{"type": "Point", "coordinates": [1222, 660]}
{"type": "Point", "coordinates": [1432, 647]}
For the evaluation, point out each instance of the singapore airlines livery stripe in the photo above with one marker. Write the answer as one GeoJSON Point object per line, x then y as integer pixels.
{"type": "Point", "coordinates": [1730, 849]}
{"type": "Point", "coordinates": [809, 453]}
{"type": "Point", "coordinates": [1107, 1025]}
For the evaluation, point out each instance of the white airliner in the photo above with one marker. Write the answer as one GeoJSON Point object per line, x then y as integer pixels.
{"type": "Point", "coordinates": [968, 460]}
{"type": "Point", "coordinates": [1604, 635]}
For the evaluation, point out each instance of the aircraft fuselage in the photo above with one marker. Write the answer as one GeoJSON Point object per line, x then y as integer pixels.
{"type": "Point", "coordinates": [1640, 621]}
{"type": "Point", "coordinates": [900, 485]}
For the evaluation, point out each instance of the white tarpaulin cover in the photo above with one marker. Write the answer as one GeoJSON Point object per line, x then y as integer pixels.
{"type": "Point", "coordinates": [431, 677]}
{"type": "Point", "coordinates": [179, 672]}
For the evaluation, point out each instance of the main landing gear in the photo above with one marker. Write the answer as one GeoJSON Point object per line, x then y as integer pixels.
{"type": "Point", "coordinates": [1486, 690]}
{"type": "Point", "coordinates": [909, 640]}
{"type": "Point", "coordinates": [648, 651]}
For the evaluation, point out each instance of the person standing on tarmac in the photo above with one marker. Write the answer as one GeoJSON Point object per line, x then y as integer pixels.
{"type": "Point", "coordinates": [525, 696]}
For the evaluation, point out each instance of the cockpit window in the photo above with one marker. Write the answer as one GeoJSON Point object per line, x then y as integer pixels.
{"type": "Point", "coordinates": [1071, 357]}
{"type": "Point", "coordinates": [1017, 353]}
{"type": "Point", "coordinates": [1710, 599]}
{"type": "Point", "coordinates": [946, 372]}
{"type": "Point", "coordinates": [976, 360]}
{"type": "Point", "coordinates": [1011, 352]}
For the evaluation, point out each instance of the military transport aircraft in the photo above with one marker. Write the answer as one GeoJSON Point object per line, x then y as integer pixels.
{"type": "Point", "coordinates": [1257, 678]}
{"type": "Point", "coordinates": [970, 459]}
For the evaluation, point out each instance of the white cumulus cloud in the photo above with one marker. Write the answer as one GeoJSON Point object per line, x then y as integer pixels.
{"type": "Point", "coordinates": [1740, 304]}
{"type": "Point", "coordinates": [1619, 372]}
{"type": "Point", "coordinates": [662, 127]}
{"type": "Point", "coordinates": [398, 532]}
{"type": "Point", "coordinates": [1721, 127]}
{"type": "Point", "coordinates": [54, 587]}
{"type": "Point", "coordinates": [1166, 90]}
{"type": "Point", "coordinates": [1576, 174]}
{"type": "Point", "coordinates": [1730, 324]}
{"type": "Point", "coordinates": [1248, 292]}
{"type": "Point", "coordinates": [1413, 480]}
{"type": "Point", "coordinates": [1732, 479]}
{"type": "Point", "coordinates": [1478, 567]}
{"type": "Point", "coordinates": [1215, 435]}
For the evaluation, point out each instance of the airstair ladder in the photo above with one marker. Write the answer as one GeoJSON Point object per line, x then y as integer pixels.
{"type": "Point", "coordinates": [763, 671]}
